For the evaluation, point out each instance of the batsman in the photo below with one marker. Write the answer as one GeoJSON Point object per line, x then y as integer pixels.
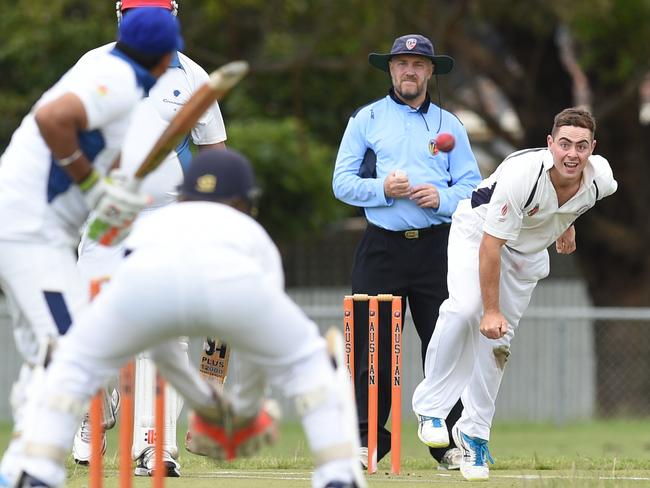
{"type": "Point", "coordinates": [54, 172]}
{"type": "Point", "coordinates": [151, 117]}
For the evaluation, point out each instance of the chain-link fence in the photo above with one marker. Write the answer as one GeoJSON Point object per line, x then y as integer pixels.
{"type": "Point", "coordinates": [569, 361]}
{"type": "Point", "coordinates": [573, 363]}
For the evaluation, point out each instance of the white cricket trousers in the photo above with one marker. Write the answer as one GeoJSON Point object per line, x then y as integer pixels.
{"type": "Point", "coordinates": [153, 298]}
{"type": "Point", "coordinates": [460, 361]}
{"type": "Point", "coordinates": [100, 262]}
{"type": "Point", "coordinates": [44, 292]}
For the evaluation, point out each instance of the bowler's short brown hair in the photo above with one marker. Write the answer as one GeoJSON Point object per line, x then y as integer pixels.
{"type": "Point", "coordinates": [574, 117]}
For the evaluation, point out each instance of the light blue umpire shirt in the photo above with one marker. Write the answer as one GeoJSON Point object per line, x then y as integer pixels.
{"type": "Point", "coordinates": [390, 135]}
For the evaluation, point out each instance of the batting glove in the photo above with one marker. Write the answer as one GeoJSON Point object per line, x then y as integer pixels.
{"type": "Point", "coordinates": [115, 206]}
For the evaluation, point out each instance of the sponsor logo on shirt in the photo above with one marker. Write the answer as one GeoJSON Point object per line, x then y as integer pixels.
{"type": "Point", "coordinates": [167, 100]}
{"type": "Point", "coordinates": [176, 93]}
{"type": "Point", "coordinates": [504, 212]}
{"type": "Point", "coordinates": [533, 210]}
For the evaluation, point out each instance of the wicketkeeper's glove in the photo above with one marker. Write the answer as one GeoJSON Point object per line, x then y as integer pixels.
{"type": "Point", "coordinates": [115, 206]}
{"type": "Point", "coordinates": [228, 436]}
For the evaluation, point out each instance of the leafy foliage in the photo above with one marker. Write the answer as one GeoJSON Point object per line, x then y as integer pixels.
{"type": "Point", "coordinates": [294, 172]}
{"type": "Point", "coordinates": [310, 72]}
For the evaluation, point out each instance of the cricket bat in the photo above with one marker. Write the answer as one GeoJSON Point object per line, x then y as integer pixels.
{"type": "Point", "coordinates": [220, 83]}
{"type": "Point", "coordinates": [216, 354]}
{"type": "Point", "coordinates": [213, 365]}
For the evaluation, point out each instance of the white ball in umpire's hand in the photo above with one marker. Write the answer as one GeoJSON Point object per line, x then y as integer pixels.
{"type": "Point", "coordinates": [400, 173]}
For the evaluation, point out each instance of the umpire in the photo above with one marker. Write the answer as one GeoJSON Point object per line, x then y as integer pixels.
{"type": "Point", "coordinates": [389, 165]}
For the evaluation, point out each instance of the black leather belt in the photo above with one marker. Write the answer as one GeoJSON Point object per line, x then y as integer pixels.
{"type": "Point", "coordinates": [411, 233]}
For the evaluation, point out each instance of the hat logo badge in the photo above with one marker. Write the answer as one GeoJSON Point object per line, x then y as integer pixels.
{"type": "Point", "coordinates": [206, 183]}
{"type": "Point", "coordinates": [410, 43]}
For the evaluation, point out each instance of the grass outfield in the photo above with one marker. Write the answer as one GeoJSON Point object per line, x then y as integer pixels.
{"type": "Point", "coordinates": [594, 454]}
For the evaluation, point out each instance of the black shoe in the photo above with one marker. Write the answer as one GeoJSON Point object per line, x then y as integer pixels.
{"type": "Point", "coordinates": [145, 467]}
{"type": "Point", "coordinates": [172, 470]}
{"type": "Point", "coordinates": [28, 481]}
{"type": "Point", "coordinates": [341, 484]}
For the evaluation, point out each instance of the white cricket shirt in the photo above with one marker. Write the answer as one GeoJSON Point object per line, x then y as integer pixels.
{"type": "Point", "coordinates": [38, 200]}
{"type": "Point", "coordinates": [152, 116]}
{"type": "Point", "coordinates": [518, 202]}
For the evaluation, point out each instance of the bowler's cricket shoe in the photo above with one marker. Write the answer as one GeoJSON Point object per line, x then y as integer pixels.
{"type": "Point", "coordinates": [230, 437]}
{"type": "Point", "coordinates": [476, 455]}
{"type": "Point", "coordinates": [451, 459]}
{"type": "Point", "coordinates": [146, 464]}
{"type": "Point", "coordinates": [432, 431]}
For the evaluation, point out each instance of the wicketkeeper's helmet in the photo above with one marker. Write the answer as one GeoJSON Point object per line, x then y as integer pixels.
{"type": "Point", "coordinates": [220, 175]}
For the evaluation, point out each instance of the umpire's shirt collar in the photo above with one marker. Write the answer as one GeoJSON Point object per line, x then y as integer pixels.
{"type": "Point", "coordinates": [424, 108]}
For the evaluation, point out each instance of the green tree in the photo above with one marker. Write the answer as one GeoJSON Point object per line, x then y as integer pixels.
{"type": "Point", "coordinates": [309, 64]}
{"type": "Point", "coordinates": [309, 61]}
{"type": "Point", "coordinates": [292, 169]}
{"type": "Point", "coordinates": [41, 39]}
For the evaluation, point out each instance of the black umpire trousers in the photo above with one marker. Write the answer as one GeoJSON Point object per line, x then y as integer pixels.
{"type": "Point", "coordinates": [414, 266]}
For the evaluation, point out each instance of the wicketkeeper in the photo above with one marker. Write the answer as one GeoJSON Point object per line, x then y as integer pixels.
{"type": "Point", "coordinates": [202, 267]}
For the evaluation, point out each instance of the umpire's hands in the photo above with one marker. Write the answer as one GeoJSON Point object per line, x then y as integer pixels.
{"type": "Point", "coordinates": [426, 196]}
{"type": "Point", "coordinates": [493, 325]}
{"type": "Point", "coordinates": [396, 185]}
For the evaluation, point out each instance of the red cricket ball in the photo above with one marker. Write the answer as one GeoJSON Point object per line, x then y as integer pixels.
{"type": "Point", "coordinates": [445, 141]}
